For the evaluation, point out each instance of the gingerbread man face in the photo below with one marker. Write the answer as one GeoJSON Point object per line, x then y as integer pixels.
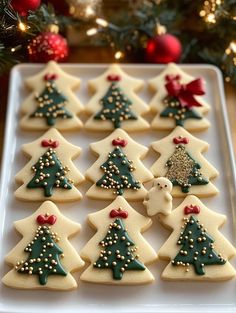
{"type": "Point", "coordinates": [159, 199]}
{"type": "Point", "coordinates": [163, 184]}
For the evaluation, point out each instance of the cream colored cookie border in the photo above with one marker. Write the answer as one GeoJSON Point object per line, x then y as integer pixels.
{"type": "Point", "coordinates": [66, 152]}
{"type": "Point", "coordinates": [135, 224]}
{"type": "Point", "coordinates": [130, 86]}
{"type": "Point", "coordinates": [211, 221]}
{"type": "Point", "coordinates": [134, 151]}
{"type": "Point", "coordinates": [71, 262]}
{"type": "Point", "coordinates": [157, 84]}
{"type": "Point", "coordinates": [165, 147]}
{"type": "Point", "coordinates": [67, 84]}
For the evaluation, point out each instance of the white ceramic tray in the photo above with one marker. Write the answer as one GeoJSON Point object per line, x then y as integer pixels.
{"type": "Point", "coordinates": [161, 296]}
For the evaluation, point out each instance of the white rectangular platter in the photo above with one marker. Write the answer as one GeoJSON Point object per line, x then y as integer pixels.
{"type": "Point", "coordinates": [161, 296]}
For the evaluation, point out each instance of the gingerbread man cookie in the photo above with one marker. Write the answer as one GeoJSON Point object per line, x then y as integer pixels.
{"type": "Point", "coordinates": [50, 173]}
{"type": "Point", "coordinates": [178, 100]}
{"type": "Point", "coordinates": [159, 199]}
{"type": "Point", "coordinates": [118, 170]}
{"type": "Point", "coordinates": [118, 253]}
{"type": "Point", "coordinates": [52, 102]}
{"type": "Point", "coordinates": [196, 250]}
{"type": "Point", "coordinates": [44, 258]}
{"type": "Point", "coordinates": [115, 103]}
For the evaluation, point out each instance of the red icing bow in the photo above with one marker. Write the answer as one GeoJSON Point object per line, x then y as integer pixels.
{"type": "Point", "coordinates": [113, 78]}
{"type": "Point", "coordinates": [191, 209]}
{"type": "Point", "coordinates": [119, 142]}
{"type": "Point", "coordinates": [49, 76]}
{"type": "Point", "coordinates": [46, 219]}
{"type": "Point", "coordinates": [49, 143]}
{"type": "Point", "coordinates": [185, 92]}
{"type": "Point", "coordinates": [178, 140]}
{"type": "Point", "coordinates": [118, 213]}
{"type": "Point", "coordinates": [170, 77]}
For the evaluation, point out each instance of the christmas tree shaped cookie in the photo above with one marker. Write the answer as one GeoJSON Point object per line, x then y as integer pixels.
{"type": "Point", "coordinates": [118, 170]}
{"type": "Point", "coordinates": [44, 258]}
{"type": "Point", "coordinates": [178, 101]}
{"type": "Point", "coordinates": [52, 102]}
{"type": "Point", "coordinates": [196, 249]}
{"type": "Point", "coordinates": [118, 252]}
{"type": "Point", "coordinates": [115, 103]}
{"type": "Point", "coordinates": [50, 174]}
{"type": "Point", "coordinates": [182, 163]}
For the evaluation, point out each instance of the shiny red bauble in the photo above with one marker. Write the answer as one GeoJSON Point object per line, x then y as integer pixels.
{"type": "Point", "coordinates": [163, 49]}
{"type": "Point", "coordinates": [48, 46]}
{"type": "Point", "coordinates": [24, 6]}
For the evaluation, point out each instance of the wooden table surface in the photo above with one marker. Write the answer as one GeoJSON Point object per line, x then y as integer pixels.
{"type": "Point", "coordinates": [104, 55]}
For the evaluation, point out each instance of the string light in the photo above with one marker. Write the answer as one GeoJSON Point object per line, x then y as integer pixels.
{"type": "Point", "coordinates": [101, 22]}
{"type": "Point", "coordinates": [231, 48]}
{"type": "Point", "coordinates": [208, 12]}
{"type": "Point", "coordinates": [118, 55]}
{"type": "Point", "coordinates": [89, 11]}
{"type": "Point", "coordinates": [92, 31]}
{"type": "Point", "coordinates": [22, 26]}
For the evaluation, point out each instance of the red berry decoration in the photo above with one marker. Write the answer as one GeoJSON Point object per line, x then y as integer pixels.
{"type": "Point", "coordinates": [24, 6]}
{"type": "Point", "coordinates": [48, 46]}
{"type": "Point", "coordinates": [164, 48]}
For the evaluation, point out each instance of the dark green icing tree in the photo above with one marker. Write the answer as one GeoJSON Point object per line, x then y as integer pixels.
{"type": "Point", "coordinates": [116, 107]}
{"type": "Point", "coordinates": [197, 247]}
{"type": "Point", "coordinates": [51, 104]}
{"type": "Point", "coordinates": [177, 112]}
{"type": "Point", "coordinates": [118, 252]}
{"type": "Point", "coordinates": [44, 258]}
{"type": "Point", "coordinates": [183, 170]}
{"type": "Point", "coordinates": [49, 173]}
{"type": "Point", "coordinates": [118, 173]}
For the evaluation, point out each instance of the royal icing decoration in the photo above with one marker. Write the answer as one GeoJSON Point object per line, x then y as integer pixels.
{"type": "Point", "coordinates": [44, 258]}
{"type": "Point", "coordinates": [178, 101]}
{"type": "Point", "coordinates": [118, 170]}
{"type": "Point", "coordinates": [191, 209]}
{"type": "Point", "coordinates": [181, 161]}
{"type": "Point", "coordinates": [116, 106]}
{"type": "Point", "coordinates": [51, 102]}
{"type": "Point", "coordinates": [197, 247]}
{"type": "Point", "coordinates": [49, 173]}
{"type": "Point", "coordinates": [117, 252]}
{"type": "Point", "coordinates": [49, 143]}
{"type": "Point", "coordinates": [115, 103]}
{"type": "Point", "coordinates": [183, 170]}
{"type": "Point", "coordinates": [118, 173]}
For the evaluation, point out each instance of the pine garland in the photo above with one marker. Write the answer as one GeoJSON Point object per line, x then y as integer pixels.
{"type": "Point", "coordinates": [207, 31]}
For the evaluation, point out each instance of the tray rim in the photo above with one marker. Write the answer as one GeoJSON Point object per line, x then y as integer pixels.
{"type": "Point", "coordinates": [228, 142]}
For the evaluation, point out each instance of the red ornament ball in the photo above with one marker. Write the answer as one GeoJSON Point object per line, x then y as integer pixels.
{"type": "Point", "coordinates": [23, 6]}
{"type": "Point", "coordinates": [48, 46]}
{"type": "Point", "coordinates": [163, 49]}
